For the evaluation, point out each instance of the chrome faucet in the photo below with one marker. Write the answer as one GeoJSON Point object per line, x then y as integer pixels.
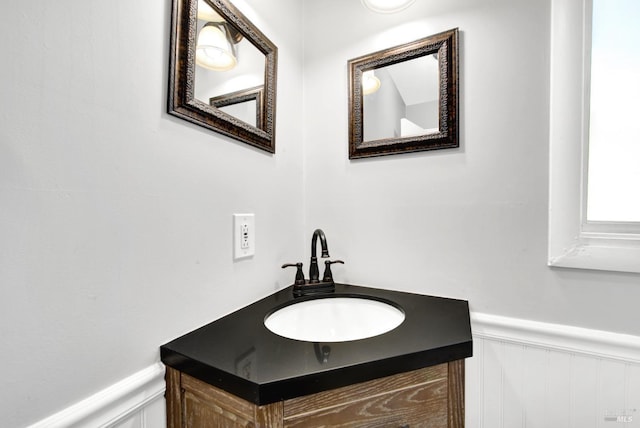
{"type": "Point", "coordinates": [313, 268]}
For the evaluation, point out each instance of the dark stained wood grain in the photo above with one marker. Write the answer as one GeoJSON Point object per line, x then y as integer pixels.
{"type": "Point", "coordinates": [173, 398]}
{"type": "Point", "coordinates": [456, 394]}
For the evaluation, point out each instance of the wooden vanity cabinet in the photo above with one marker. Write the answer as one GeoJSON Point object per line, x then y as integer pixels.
{"type": "Point", "coordinates": [430, 397]}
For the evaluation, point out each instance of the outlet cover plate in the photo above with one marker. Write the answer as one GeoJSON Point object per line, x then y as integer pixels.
{"type": "Point", "coordinates": [244, 235]}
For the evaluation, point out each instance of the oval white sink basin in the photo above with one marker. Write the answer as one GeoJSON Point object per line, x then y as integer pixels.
{"type": "Point", "coordinates": [334, 319]}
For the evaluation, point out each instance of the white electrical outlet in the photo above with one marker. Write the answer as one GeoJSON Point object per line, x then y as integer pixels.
{"type": "Point", "coordinates": [244, 239]}
{"type": "Point", "coordinates": [244, 236]}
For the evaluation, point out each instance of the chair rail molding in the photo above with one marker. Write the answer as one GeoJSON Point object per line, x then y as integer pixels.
{"type": "Point", "coordinates": [564, 338]}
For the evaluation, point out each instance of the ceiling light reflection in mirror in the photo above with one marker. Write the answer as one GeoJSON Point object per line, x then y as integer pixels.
{"type": "Point", "coordinates": [370, 83]}
{"type": "Point", "coordinates": [226, 62]}
{"type": "Point", "coordinates": [214, 49]}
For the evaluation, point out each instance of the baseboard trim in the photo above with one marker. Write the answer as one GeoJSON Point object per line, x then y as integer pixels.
{"type": "Point", "coordinates": [577, 340]}
{"type": "Point", "coordinates": [113, 404]}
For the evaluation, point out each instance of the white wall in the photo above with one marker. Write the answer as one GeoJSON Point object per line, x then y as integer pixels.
{"type": "Point", "coordinates": [468, 223]}
{"type": "Point", "coordinates": [115, 218]}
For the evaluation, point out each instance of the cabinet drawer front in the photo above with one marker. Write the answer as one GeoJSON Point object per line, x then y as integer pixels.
{"type": "Point", "coordinates": [424, 405]}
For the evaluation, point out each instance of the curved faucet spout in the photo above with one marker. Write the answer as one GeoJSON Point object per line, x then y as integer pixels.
{"type": "Point", "coordinates": [323, 243]}
{"type": "Point", "coordinates": [313, 269]}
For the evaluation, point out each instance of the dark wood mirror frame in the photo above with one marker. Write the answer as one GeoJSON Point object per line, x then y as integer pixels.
{"type": "Point", "coordinates": [182, 62]}
{"type": "Point", "coordinates": [445, 44]}
{"type": "Point", "coordinates": [251, 94]}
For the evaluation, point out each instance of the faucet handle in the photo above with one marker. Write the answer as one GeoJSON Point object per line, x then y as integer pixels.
{"type": "Point", "coordinates": [328, 275]}
{"type": "Point", "coordinates": [299, 274]}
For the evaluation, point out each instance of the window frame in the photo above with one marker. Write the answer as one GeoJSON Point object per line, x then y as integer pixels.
{"type": "Point", "coordinates": [574, 242]}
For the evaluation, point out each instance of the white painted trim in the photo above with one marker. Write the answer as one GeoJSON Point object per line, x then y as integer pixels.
{"type": "Point", "coordinates": [113, 404]}
{"type": "Point", "coordinates": [572, 243]}
{"type": "Point", "coordinates": [576, 340]}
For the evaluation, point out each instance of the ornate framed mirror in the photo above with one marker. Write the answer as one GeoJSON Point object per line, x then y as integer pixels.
{"type": "Point", "coordinates": [222, 72]}
{"type": "Point", "coordinates": [405, 99]}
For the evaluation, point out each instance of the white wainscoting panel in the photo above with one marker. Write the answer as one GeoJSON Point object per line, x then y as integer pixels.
{"type": "Point", "coordinates": [538, 375]}
{"type": "Point", "coordinates": [152, 415]}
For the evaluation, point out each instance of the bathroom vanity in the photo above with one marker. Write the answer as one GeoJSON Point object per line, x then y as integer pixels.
{"type": "Point", "coordinates": [236, 372]}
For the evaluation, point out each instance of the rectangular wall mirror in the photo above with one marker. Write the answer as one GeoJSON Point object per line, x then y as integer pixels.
{"type": "Point", "coordinates": [405, 99]}
{"type": "Point", "coordinates": [222, 73]}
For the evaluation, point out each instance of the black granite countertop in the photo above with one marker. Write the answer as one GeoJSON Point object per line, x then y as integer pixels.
{"type": "Point", "coordinates": [238, 354]}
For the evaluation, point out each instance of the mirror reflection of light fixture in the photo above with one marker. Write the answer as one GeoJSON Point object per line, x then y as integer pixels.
{"type": "Point", "coordinates": [370, 83]}
{"type": "Point", "coordinates": [387, 6]}
{"type": "Point", "coordinates": [215, 49]}
{"type": "Point", "coordinates": [207, 14]}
